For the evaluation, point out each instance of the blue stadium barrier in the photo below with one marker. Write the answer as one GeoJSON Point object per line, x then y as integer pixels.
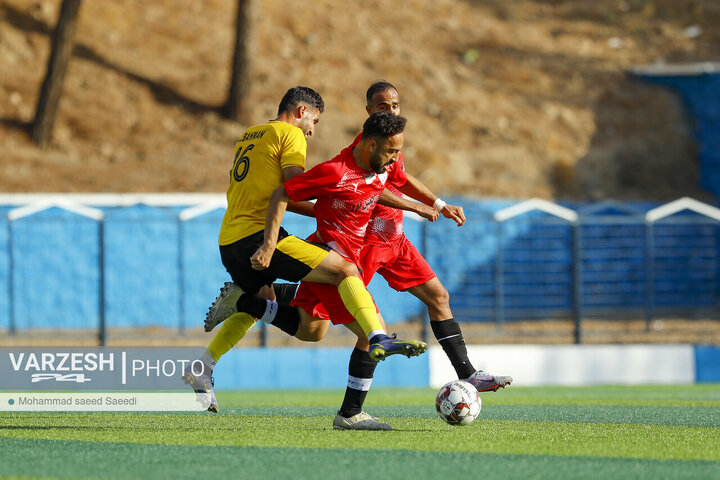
{"type": "Point", "coordinates": [52, 250]}
{"type": "Point", "coordinates": [142, 265]}
{"type": "Point", "coordinates": [202, 273]}
{"type": "Point", "coordinates": [327, 367]}
{"type": "Point", "coordinates": [612, 258]}
{"type": "Point", "coordinates": [707, 364]}
{"type": "Point", "coordinates": [6, 305]}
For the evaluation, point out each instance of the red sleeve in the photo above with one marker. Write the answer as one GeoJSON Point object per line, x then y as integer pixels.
{"type": "Point", "coordinates": [396, 173]}
{"type": "Point", "coordinates": [321, 179]}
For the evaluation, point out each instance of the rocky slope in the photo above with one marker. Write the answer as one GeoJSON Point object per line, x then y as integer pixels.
{"type": "Point", "coordinates": [504, 99]}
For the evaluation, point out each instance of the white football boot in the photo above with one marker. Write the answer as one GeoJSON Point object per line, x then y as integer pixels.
{"type": "Point", "coordinates": [224, 306]}
{"type": "Point", "coordinates": [360, 421]}
{"type": "Point", "coordinates": [484, 382]}
{"type": "Point", "coordinates": [204, 386]}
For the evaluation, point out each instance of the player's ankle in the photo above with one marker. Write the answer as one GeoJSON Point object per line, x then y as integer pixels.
{"type": "Point", "coordinates": [349, 412]}
{"type": "Point", "coordinates": [378, 337]}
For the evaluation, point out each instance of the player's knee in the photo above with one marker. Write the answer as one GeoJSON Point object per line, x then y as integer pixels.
{"type": "Point", "coordinates": [349, 270]}
{"type": "Point", "coordinates": [344, 270]}
{"type": "Point", "coordinates": [310, 336]}
{"type": "Point", "coordinates": [313, 331]}
{"type": "Point", "coordinates": [440, 297]}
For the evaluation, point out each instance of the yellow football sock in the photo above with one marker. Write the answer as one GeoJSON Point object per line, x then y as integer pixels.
{"type": "Point", "coordinates": [360, 304]}
{"type": "Point", "coordinates": [231, 331]}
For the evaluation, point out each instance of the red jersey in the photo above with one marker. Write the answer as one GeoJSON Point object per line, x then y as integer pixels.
{"type": "Point", "coordinates": [386, 223]}
{"type": "Point", "coordinates": [346, 195]}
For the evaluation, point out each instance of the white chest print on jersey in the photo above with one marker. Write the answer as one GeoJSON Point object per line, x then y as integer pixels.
{"type": "Point", "coordinates": [354, 179]}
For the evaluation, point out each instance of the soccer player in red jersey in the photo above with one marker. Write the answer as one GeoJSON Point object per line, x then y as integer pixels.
{"type": "Point", "coordinates": [388, 252]}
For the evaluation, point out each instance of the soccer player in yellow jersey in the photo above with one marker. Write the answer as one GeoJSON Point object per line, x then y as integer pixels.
{"type": "Point", "coordinates": [266, 156]}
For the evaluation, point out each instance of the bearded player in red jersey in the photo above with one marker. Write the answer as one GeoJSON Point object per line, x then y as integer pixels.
{"type": "Point", "coordinates": [388, 252]}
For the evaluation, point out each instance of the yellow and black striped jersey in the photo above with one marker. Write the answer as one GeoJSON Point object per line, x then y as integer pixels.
{"type": "Point", "coordinates": [261, 154]}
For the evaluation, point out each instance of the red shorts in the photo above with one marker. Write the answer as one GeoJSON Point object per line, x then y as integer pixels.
{"type": "Point", "coordinates": [399, 263]}
{"type": "Point", "coordinates": [323, 301]}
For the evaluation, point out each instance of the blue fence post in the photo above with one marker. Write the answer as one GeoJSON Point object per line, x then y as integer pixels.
{"type": "Point", "coordinates": [102, 328]}
{"type": "Point", "coordinates": [181, 278]}
{"type": "Point", "coordinates": [11, 274]}
{"type": "Point", "coordinates": [425, 317]}
{"type": "Point", "coordinates": [577, 281]}
{"type": "Point", "coordinates": [499, 280]}
{"type": "Point", "coordinates": [649, 275]}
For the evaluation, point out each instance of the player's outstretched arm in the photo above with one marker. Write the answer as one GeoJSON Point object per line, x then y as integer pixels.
{"type": "Point", "coordinates": [389, 199]}
{"type": "Point", "coordinates": [414, 188]}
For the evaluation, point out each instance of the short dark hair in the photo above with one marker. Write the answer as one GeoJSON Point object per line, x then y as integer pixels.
{"type": "Point", "coordinates": [383, 125]}
{"type": "Point", "coordinates": [379, 86]}
{"type": "Point", "coordinates": [297, 95]}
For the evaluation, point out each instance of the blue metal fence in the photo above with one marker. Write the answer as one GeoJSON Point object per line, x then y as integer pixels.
{"type": "Point", "coordinates": [64, 265]}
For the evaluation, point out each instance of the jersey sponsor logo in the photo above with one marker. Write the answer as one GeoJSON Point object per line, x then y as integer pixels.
{"type": "Point", "coordinates": [360, 206]}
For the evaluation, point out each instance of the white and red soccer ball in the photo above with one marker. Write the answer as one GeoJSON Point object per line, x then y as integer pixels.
{"type": "Point", "coordinates": [458, 403]}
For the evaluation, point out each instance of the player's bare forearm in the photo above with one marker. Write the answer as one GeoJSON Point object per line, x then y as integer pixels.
{"type": "Point", "coordinates": [302, 208]}
{"type": "Point", "coordinates": [414, 188]}
{"type": "Point", "coordinates": [428, 213]}
{"type": "Point", "coordinates": [278, 204]}
{"type": "Point", "coordinates": [389, 199]}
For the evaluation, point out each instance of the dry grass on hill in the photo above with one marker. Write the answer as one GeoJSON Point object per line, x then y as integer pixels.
{"type": "Point", "coordinates": [511, 99]}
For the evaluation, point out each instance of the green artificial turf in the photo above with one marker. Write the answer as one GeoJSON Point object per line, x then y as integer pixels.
{"type": "Point", "coordinates": [618, 432]}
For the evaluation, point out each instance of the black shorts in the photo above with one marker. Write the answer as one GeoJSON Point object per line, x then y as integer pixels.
{"type": "Point", "coordinates": [292, 260]}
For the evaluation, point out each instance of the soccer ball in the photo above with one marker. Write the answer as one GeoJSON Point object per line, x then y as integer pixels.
{"type": "Point", "coordinates": [458, 403]}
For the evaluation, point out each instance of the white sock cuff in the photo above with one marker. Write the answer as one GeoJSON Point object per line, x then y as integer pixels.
{"type": "Point", "coordinates": [362, 384]}
{"type": "Point", "coordinates": [376, 332]}
{"type": "Point", "coordinates": [270, 311]}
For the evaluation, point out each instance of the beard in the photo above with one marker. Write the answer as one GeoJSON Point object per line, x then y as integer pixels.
{"type": "Point", "coordinates": [376, 163]}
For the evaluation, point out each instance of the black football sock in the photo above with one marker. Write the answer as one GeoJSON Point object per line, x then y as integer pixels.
{"type": "Point", "coordinates": [285, 292]}
{"type": "Point", "coordinates": [360, 375]}
{"type": "Point", "coordinates": [281, 315]}
{"type": "Point", "coordinates": [450, 338]}
{"type": "Point", "coordinates": [251, 304]}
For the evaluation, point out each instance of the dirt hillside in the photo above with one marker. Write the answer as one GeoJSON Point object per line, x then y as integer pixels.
{"type": "Point", "coordinates": [504, 98]}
